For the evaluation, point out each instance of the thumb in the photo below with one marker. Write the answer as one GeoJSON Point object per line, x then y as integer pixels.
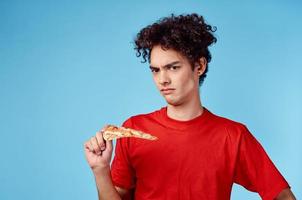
{"type": "Point", "coordinates": [109, 146]}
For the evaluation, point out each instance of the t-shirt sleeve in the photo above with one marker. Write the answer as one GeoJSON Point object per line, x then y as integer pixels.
{"type": "Point", "coordinates": [122, 173]}
{"type": "Point", "coordinates": [255, 171]}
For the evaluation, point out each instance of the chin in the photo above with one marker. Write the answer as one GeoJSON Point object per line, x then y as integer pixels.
{"type": "Point", "coordinates": [173, 102]}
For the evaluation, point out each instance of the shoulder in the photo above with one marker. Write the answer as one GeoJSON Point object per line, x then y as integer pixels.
{"type": "Point", "coordinates": [237, 133]}
{"type": "Point", "coordinates": [138, 118]}
{"type": "Point", "coordinates": [230, 126]}
{"type": "Point", "coordinates": [225, 122]}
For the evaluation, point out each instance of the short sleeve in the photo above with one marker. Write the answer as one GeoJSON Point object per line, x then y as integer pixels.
{"type": "Point", "coordinates": [255, 171]}
{"type": "Point", "coordinates": [122, 172]}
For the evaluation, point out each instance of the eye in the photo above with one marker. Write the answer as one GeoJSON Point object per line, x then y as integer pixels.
{"type": "Point", "coordinates": [173, 68]}
{"type": "Point", "coordinates": [154, 70]}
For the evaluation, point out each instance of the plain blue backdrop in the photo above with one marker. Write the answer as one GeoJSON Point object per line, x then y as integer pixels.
{"type": "Point", "coordinates": [68, 67]}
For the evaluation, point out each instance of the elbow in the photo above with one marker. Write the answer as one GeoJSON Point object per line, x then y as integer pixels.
{"type": "Point", "coordinates": [286, 194]}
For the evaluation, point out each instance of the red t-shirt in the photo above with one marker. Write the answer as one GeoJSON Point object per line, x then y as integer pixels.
{"type": "Point", "coordinates": [196, 159]}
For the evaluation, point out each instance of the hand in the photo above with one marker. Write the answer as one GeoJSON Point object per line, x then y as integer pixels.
{"type": "Point", "coordinates": [98, 152]}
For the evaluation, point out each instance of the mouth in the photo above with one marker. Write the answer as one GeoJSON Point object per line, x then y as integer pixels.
{"type": "Point", "coordinates": [167, 90]}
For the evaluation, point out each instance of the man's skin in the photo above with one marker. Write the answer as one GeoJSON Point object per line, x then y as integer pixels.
{"type": "Point", "coordinates": [170, 70]}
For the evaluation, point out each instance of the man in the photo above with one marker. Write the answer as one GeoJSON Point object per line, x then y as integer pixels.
{"type": "Point", "coordinates": [198, 155]}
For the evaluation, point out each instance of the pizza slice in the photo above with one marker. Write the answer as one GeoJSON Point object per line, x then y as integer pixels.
{"type": "Point", "coordinates": [113, 132]}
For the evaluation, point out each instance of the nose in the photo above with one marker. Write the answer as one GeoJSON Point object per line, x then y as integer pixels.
{"type": "Point", "coordinates": [164, 79]}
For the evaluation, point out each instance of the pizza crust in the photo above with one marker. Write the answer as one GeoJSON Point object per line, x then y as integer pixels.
{"type": "Point", "coordinates": [113, 132]}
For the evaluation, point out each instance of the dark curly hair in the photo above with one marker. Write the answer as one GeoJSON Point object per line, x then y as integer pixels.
{"type": "Point", "coordinates": [187, 34]}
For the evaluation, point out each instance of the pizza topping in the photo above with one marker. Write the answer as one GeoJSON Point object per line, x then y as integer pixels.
{"type": "Point", "coordinates": [113, 132]}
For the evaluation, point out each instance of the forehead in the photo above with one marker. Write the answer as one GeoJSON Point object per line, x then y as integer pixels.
{"type": "Point", "coordinates": [159, 57]}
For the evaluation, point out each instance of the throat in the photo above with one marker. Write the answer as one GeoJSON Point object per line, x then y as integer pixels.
{"type": "Point", "coordinates": [184, 114]}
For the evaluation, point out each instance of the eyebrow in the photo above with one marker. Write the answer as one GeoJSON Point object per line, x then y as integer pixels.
{"type": "Point", "coordinates": [166, 66]}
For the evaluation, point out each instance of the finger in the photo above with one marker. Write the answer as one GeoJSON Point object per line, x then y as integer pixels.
{"type": "Point", "coordinates": [101, 141]}
{"type": "Point", "coordinates": [103, 129]}
{"type": "Point", "coordinates": [95, 145]}
{"type": "Point", "coordinates": [88, 146]}
{"type": "Point", "coordinates": [109, 147]}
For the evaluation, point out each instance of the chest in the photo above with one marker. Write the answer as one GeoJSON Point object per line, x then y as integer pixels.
{"type": "Point", "coordinates": [187, 155]}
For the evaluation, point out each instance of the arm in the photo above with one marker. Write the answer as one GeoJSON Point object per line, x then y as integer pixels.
{"type": "Point", "coordinates": [286, 194]}
{"type": "Point", "coordinates": [98, 154]}
{"type": "Point", "coordinates": [256, 171]}
{"type": "Point", "coordinates": [105, 187]}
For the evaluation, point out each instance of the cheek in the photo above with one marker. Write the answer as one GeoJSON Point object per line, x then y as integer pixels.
{"type": "Point", "coordinates": [186, 81]}
{"type": "Point", "coordinates": [155, 81]}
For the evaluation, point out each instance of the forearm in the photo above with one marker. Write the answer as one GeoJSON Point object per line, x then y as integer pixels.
{"type": "Point", "coordinates": [105, 187]}
{"type": "Point", "coordinates": [286, 194]}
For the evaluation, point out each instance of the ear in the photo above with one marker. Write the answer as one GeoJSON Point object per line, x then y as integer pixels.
{"type": "Point", "coordinates": [201, 66]}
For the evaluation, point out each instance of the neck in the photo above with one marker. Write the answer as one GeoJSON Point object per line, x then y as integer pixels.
{"type": "Point", "coordinates": [185, 111]}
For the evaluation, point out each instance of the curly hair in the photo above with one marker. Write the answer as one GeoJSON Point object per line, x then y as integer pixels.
{"type": "Point", "coordinates": [186, 34]}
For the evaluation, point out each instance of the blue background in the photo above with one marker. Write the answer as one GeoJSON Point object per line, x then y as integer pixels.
{"type": "Point", "coordinates": [68, 67]}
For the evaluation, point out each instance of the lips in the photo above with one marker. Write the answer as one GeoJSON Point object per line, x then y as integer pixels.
{"type": "Point", "coordinates": [167, 90]}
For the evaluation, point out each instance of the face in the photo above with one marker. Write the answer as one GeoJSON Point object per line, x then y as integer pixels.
{"type": "Point", "coordinates": [173, 76]}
